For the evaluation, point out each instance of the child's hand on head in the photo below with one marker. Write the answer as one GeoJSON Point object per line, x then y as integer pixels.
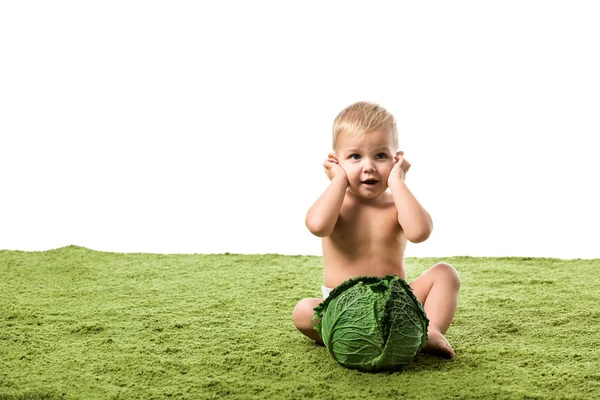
{"type": "Point", "coordinates": [333, 169]}
{"type": "Point", "coordinates": [401, 167]}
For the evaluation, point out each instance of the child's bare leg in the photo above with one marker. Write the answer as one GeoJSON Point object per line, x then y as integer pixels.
{"type": "Point", "coordinates": [437, 289]}
{"type": "Point", "coordinates": [303, 315]}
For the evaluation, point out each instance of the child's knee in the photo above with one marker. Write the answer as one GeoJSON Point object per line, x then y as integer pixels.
{"type": "Point", "coordinates": [304, 312]}
{"type": "Point", "coordinates": [448, 273]}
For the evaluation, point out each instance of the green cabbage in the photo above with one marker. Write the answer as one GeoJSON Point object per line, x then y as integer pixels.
{"type": "Point", "coordinates": [372, 323]}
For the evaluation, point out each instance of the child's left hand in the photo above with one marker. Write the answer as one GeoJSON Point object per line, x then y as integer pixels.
{"type": "Point", "coordinates": [401, 167]}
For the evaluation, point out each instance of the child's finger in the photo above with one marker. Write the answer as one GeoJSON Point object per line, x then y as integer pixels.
{"type": "Point", "coordinates": [328, 163]}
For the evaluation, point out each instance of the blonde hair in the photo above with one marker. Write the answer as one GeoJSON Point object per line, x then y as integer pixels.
{"type": "Point", "coordinates": [361, 117]}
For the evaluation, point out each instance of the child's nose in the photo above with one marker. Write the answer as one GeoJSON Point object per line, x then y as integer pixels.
{"type": "Point", "coordinates": [368, 166]}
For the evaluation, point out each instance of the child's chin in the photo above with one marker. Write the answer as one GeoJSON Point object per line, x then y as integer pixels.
{"type": "Point", "coordinates": [367, 193]}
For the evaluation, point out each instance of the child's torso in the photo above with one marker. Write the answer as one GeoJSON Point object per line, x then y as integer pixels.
{"type": "Point", "coordinates": [367, 240]}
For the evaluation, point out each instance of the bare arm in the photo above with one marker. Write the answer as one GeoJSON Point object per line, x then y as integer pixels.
{"type": "Point", "coordinates": [324, 213]}
{"type": "Point", "coordinates": [412, 217]}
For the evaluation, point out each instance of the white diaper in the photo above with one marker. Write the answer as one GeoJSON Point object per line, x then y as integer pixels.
{"type": "Point", "coordinates": [325, 291]}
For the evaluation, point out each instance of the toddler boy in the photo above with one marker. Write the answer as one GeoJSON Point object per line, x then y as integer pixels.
{"type": "Point", "coordinates": [365, 227]}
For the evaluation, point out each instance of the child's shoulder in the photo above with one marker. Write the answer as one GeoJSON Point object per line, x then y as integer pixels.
{"type": "Point", "coordinates": [387, 199]}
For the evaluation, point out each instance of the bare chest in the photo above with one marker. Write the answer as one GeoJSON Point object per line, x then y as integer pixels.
{"type": "Point", "coordinates": [360, 227]}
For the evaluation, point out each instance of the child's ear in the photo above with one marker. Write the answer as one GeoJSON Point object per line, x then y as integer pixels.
{"type": "Point", "coordinates": [333, 156]}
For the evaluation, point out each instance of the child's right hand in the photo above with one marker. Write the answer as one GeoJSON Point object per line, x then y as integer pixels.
{"type": "Point", "coordinates": [333, 169]}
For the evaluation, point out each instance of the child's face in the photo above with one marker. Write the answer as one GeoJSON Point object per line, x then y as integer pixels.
{"type": "Point", "coordinates": [368, 160]}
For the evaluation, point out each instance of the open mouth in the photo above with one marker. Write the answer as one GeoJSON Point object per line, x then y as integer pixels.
{"type": "Point", "coordinates": [370, 182]}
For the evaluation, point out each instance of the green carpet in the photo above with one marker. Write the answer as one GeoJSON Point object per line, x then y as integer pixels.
{"type": "Point", "coordinates": [77, 323]}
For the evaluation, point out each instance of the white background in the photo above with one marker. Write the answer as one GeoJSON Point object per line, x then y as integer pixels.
{"type": "Point", "coordinates": [200, 127]}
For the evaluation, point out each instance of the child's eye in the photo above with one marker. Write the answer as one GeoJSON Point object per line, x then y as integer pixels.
{"type": "Point", "coordinates": [355, 156]}
{"type": "Point", "coordinates": [381, 156]}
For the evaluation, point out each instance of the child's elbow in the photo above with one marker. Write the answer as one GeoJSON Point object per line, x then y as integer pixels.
{"type": "Point", "coordinates": [418, 239]}
{"type": "Point", "coordinates": [317, 228]}
{"type": "Point", "coordinates": [419, 236]}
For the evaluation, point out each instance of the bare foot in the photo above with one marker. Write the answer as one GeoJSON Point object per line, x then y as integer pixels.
{"type": "Point", "coordinates": [437, 344]}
